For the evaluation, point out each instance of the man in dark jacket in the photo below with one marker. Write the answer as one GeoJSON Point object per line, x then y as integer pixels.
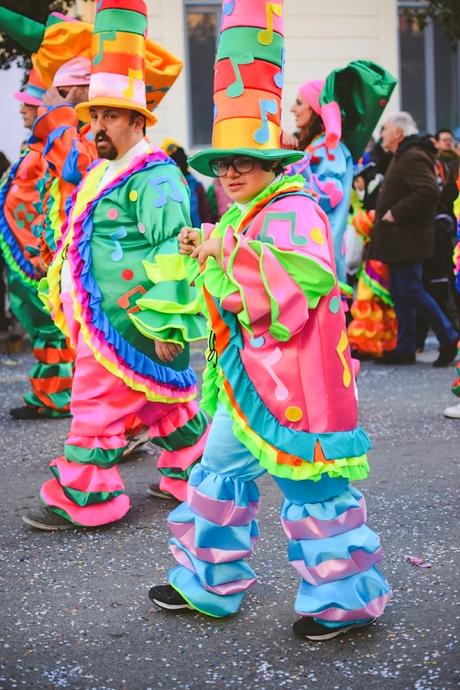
{"type": "Point", "coordinates": [403, 236]}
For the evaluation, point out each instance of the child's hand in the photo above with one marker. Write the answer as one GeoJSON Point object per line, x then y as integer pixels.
{"type": "Point", "coordinates": [212, 247]}
{"type": "Point", "coordinates": [167, 352]}
{"type": "Point", "coordinates": [189, 239]}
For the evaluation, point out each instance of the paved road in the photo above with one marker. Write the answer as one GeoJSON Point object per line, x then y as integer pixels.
{"type": "Point", "coordinates": [74, 605]}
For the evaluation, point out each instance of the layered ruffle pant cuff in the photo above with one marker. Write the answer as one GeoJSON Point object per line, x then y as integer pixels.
{"type": "Point", "coordinates": [335, 554]}
{"type": "Point", "coordinates": [51, 377]}
{"type": "Point", "coordinates": [213, 533]}
{"type": "Point", "coordinates": [330, 545]}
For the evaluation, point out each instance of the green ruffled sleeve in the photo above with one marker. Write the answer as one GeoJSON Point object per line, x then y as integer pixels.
{"type": "Point", "coordinates": [170, 310]}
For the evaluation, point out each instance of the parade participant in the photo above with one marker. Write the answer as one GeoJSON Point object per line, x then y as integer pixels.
{"type": "Point", "coordinates": [279, 382]}
{"type": "Point", "coordinates": [20, 212]}
{"type": "Point", "coordinates": [373, 329]}
{"type": "Point", "coordinates": [119, 279]}
{"type": "Point", "coordinates": [199, 205]}
{"type": "Point", "coordinates": [333, 130]}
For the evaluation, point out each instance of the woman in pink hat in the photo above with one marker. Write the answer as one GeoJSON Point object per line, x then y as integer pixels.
{"type": "Point", "coordinates": [327, 165]}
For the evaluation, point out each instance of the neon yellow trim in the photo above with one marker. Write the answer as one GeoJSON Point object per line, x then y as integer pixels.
{"type": "Point", "coordinates": [166, 307]}
{"type": "Point", "coordinates": [165, 267]}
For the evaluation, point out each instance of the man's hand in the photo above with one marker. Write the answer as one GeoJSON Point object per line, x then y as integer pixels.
{"type": "Point", "coordinates": [75, 94]}
{"type": "Point", "coordinates": [53, 97]}
{"type": "Point", "coordinates": [212, 247]}
{"type": "Point", "coordinates": [388, 217]}
{"type": "Point", "coordinates": [167, 352]}
{"type": "Point", "coordinates": [189, 239]}
{"type": "Point", "coordinates": [289, 141]}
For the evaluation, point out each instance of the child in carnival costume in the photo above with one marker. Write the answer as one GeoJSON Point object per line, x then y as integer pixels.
{"type": "Point", "coordinates": [335, 118]}
{"type": "Point", "coordinates": [279, 382]}
{"type": "Point", "coordinates": [117, 286]}
{"type": "Point", "coordinates": [20, 213]}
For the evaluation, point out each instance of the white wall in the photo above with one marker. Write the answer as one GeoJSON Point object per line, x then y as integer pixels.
{"type": "Point", "coordinates": [320, 36]}
{"type": "Point", "coordinates": [12, 132]}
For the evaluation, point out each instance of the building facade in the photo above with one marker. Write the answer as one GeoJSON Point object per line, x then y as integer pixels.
{"type": "Point", "coordinates": [320, 36]}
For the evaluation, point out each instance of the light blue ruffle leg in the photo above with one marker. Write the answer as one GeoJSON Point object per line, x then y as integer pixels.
{"type": "Point", "coordinates": [334, 552]}
{"type": "Point", "coordinates": [215, 530]}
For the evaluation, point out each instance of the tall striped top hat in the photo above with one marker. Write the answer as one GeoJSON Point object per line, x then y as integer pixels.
{"type": "Point", "coordinates": [33, 91]}
{"type": "Point", "coordinates": [248, 81]}
{"type": "Point", "coordinates": [118, 58]}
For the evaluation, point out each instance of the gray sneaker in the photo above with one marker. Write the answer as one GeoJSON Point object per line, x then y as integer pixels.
{"type": "Point", "coordinates": [136, 444]}
{"type": "Point", "coordinates": [154, 490]}
{"type": "Point", "coordinates": [47, 521]}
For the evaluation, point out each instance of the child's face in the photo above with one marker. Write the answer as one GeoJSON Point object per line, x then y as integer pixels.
{"type": "Point", "coordinates": [242, 187]}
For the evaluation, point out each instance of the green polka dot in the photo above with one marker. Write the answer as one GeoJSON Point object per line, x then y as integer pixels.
{"type": "Point", "coordinates": [334, 305]}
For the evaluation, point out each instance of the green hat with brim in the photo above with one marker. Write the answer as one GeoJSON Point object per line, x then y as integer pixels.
{"type": "Point", "coordinates": [201, 161]}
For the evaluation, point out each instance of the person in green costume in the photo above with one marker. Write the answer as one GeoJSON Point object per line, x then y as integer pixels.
{"type": "Point", "coordinates": [117, 287]}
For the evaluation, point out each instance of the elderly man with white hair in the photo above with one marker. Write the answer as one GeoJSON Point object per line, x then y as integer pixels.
{"type": "Point", "coordinates": [404, 234]}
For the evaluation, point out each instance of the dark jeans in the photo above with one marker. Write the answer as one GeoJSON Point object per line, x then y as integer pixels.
{"type": "Point", "coordinates": [410, 296]}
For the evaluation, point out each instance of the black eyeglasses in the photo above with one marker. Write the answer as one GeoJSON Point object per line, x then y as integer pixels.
{"type": "Point", "coordinates": [241, 164]}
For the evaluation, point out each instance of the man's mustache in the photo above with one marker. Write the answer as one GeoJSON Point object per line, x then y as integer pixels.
{"type": "Point", "coordinates": [100, 136]}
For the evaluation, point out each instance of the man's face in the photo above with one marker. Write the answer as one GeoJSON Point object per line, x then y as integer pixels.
{"type": "Point", "coordinates": [445, 142]}
{"type": "Point", "coordinates": [114, 131]}
{"type": "Point", "coordinates": [392, 135]}
{"type": "Point", "coordinates": [29, 114]}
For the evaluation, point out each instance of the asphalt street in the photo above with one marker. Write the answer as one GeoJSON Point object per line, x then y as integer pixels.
{"type": "Point", "coordinates": [74, 606]}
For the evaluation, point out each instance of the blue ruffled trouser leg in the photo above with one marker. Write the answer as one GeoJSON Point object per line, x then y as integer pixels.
{"type": "Point", "coordinates": [330, 546]}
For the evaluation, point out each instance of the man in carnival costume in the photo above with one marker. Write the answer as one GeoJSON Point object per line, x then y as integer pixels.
{"type": "Point", "coordinates": [280, 383]}
{"type": "Point", "coordinates": [20, 215]}
{"type": "Point", "coordinates": [120, 282]}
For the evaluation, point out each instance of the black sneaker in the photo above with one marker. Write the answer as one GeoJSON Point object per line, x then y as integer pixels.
{"type": "Point", "coordinates": [307, 628]}
{"type": "Point", "coordinates": [447, 354]}
{"type": "Point", "coordinates": [47, 521]}
{"type": "Point", "coordinates": [394, 357]}
{"type": "Point", "coordinates": [154, 490]}
{"type": "Point", "coordinates": [166, 597]}
{"type": "Point", "coordinates": [27, 412]}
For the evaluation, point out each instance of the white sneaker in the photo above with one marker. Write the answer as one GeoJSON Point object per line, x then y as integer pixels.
{"type": "Point", "coordinates": [453, 412]}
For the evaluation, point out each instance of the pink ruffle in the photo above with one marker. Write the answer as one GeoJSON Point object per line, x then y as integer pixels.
{"type": "Point", "coordinates": [183, 457]}
{"type": "Point", "coordinates": [373, 609]}
{"type": "Point", "coordinates": [88, 478]}
{"type": "Point", "coordinates": [337, 568]}
{"type": "Point", "coordinates": [220, 512]}
{"type": "Point", "coordinates": [93, 515]}
{"type": "Point", "coordinates": [311, 528]}
{"type": "Point", "coordinates": [185, 533]}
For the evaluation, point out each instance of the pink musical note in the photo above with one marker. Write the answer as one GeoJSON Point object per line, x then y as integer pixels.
{"type": "Point", "coordinates": [281, 392]}
{"type": "Point", "coordinates": [237, 87]}
{"type": "Point", "coordinates": [266, 35]}
{"type": "Point", "coordinates": [269, 105]}
{"type": "Point", "coordinates": [21, 208]}
{"type": "Point", "coordinates": [176, 194]}
{"type": "Point", "coordinates": [117, 253]}
{"type": "Point", "coordinates": [103, 37]}
{"type": "Point", "coordinates": [132, 75]}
